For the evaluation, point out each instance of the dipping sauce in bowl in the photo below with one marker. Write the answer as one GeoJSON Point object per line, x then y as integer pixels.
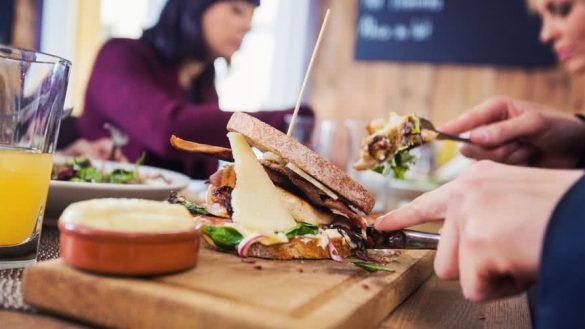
{"type": "Point", "coordinates": [128, 237]}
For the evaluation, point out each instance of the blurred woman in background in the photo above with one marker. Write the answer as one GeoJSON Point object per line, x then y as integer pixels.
{"type": "Point", "coordinates": [510, 225]}
{"type": "Point", "coordinates": [163, 84]}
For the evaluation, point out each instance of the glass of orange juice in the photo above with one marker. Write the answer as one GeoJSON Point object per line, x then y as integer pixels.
{"type": "Point", "coordinates": [32, 93]}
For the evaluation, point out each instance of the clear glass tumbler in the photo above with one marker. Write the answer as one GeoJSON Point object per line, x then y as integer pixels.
{"type": "Point", "coordinates": [32, 93]}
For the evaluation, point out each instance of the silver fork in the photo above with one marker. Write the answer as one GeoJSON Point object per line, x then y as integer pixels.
{"type": "Point", "coordinates": [119, 139]}
{"type": "Point", "coordinates": [428, 125]}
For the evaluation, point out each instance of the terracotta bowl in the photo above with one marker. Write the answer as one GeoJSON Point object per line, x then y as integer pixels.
{"type": "Point", "coordinates": [133, 254]}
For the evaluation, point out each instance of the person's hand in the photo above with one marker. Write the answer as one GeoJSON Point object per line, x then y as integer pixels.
{"type": "Point", "coordinates": [520, 133]}
{"type": "Point", "coordinates": [495, 221]}
{"type": "Point", "coordinates": [98, 149]}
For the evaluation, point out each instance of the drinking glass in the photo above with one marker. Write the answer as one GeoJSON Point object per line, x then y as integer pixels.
{"type": "Point", "coordinates": [32, 93]}
{"type": "Point", "coordinates": [316, 134]}
{"type": "Point", "coordinates": [323, 138]}
{"type": "Point", "coordinates": [303, 128]}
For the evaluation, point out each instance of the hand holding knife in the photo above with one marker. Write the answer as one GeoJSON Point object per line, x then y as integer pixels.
{"type": "Point", "coordinates": [401, 239]}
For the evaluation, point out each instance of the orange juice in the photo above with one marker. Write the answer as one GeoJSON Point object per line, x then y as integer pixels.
{"type": "Point", "coordinates": [24, 184]}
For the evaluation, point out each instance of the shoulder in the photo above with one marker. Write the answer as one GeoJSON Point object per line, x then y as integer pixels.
{"type": "Point", "coordinates": [120, 48]}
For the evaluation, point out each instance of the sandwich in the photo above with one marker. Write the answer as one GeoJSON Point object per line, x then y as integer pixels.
{"type": "Point", "coordinates": [287, 202]}
{"type": "Point", "coordinates": [386, 146]}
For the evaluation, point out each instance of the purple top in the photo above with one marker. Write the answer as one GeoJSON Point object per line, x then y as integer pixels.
{"type": "Point", "coordinates": [133, 90]}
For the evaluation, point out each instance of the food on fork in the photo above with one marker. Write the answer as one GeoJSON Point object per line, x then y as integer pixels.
{"type": "Point", "coordinates": [289, 204]}
{"type": "Point", "coordinates": [386, 147]}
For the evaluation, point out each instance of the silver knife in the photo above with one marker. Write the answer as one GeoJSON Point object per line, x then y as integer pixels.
{"type": "Point", "coordinates": [401, 239]}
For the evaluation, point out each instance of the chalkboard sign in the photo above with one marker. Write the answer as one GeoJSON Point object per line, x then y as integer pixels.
{"type": "Point", "coordinates": [500, 32]}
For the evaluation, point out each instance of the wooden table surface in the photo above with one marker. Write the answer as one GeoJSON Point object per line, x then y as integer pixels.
{"type": "Point", "coordinates": [436, 304]}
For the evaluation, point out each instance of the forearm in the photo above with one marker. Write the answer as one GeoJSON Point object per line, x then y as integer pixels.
{"type": "Point", "coordinates": [562, 270]}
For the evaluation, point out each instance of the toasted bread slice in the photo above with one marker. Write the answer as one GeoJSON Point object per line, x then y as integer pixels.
{"type": "Point", "coordinates": [297, 248]}
{"type": "Point", "coordinates": [303, 247]}
{"type": "Point", "coordinates": [269, 139]}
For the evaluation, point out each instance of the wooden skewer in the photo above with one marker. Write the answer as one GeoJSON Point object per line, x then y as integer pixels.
{"type": "Point", "coordinates": [315, 50]}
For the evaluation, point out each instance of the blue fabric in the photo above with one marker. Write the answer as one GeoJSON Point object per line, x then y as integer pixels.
{"type": "Point", "coordinates": [561, 294]}
{"type": "Point", "coordinates": [581, 162]}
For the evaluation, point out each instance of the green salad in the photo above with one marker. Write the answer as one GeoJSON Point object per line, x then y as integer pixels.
{"type": "Point", "coordinates": [83, 170]}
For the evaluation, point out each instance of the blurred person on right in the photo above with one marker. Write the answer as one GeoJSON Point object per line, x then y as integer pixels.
{"type": "Point", "coordinates": [517, 217]}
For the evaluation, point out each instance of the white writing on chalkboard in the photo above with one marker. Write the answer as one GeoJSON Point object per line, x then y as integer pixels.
{"type": "Point", "coordinates": [450, 31]}
{"type": "Point", "coordinates": [404, 5]}
{"type": "Point", "coordinates": [419, 29]}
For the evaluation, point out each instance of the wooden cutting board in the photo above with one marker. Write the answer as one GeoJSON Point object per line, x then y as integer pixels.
{"type": "Point", "coordinates": [225, 292]}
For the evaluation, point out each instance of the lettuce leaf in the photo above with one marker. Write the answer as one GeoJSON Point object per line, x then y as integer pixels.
{"type": "Point", "coordinates": [223, 236]}
{"type": "Point", "coordinates": [301, 229]}
{"type": "Point", "coordinates": [194, 209]}
{"type": "Point", "coordinates": [372, 267]}
{"type": "Point", "coordinates": [399, 164]}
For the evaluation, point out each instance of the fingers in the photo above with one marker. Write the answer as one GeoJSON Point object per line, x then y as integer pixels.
{"type": "Point", "coordinates": [523, 156]}
{"type": "Point", "coordinates": [512, 153]}
{"type": "Point", "coordinates": [430, 206]}
{"type": "Point", "coordinates": [480, 277]}
{"type": "Point", "coordinates": [498, 122]}
{"type": "Point", "coordinates": [471, 261]}
{"type": "Point", "coordinates": [103, 148]}
{"type": "Point", "coordinates": [460, 254]}
{"type": "Point", "coordinates": [77, 148]}
{"type": "Point", "coordinates": [498, 154]}
{"type": "Point", "coordinates": [483, 266]}
{"type": "Point", "coordinates": [101, 153]}
{"type": "Point", "coordinates": [99, 149]}
{"type": "Point", "coordinates": [492, 110]}
{"type": "Point", "coordinates": [499, 133]}
{"type": "Point", "coordinates": [119, 156]}
{"type": "Point", "coordinates": [447, 257]}
{"type": "Point", "coordinates": [85, 149]}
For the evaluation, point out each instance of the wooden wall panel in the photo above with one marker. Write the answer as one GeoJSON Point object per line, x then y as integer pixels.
{"type": "Point", "coordinates": [449, 93]}
{"type": "Point", "coordinates": [88, 40]}
{"type": "Point", "coordinates": [23, 31]}
{"type": "Point", "coordinates": [345, 88]}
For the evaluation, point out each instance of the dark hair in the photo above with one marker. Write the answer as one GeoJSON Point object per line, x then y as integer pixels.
{"type": "Point", "coordinates": [178, 33]}
{"type": "Point", "coordinates": [178, 36]}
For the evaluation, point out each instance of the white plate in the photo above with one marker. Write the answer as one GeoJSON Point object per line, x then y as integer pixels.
{"type": "Point", "coordinates": [63, 193]}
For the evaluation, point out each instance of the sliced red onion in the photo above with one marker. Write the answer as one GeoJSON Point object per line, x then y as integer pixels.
{"type": "Point", "coordinates": [333, 253]}
{"type": "Point", "coordinates": [246, 243]}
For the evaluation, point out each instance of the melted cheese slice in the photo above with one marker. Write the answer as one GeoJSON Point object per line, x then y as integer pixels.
{"type": "Point", "coordinates": [312, 180]}
{"type": "Point", "coordinates": [128, 215]}
{"type": "Point", "coordinates": [255, 200]}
